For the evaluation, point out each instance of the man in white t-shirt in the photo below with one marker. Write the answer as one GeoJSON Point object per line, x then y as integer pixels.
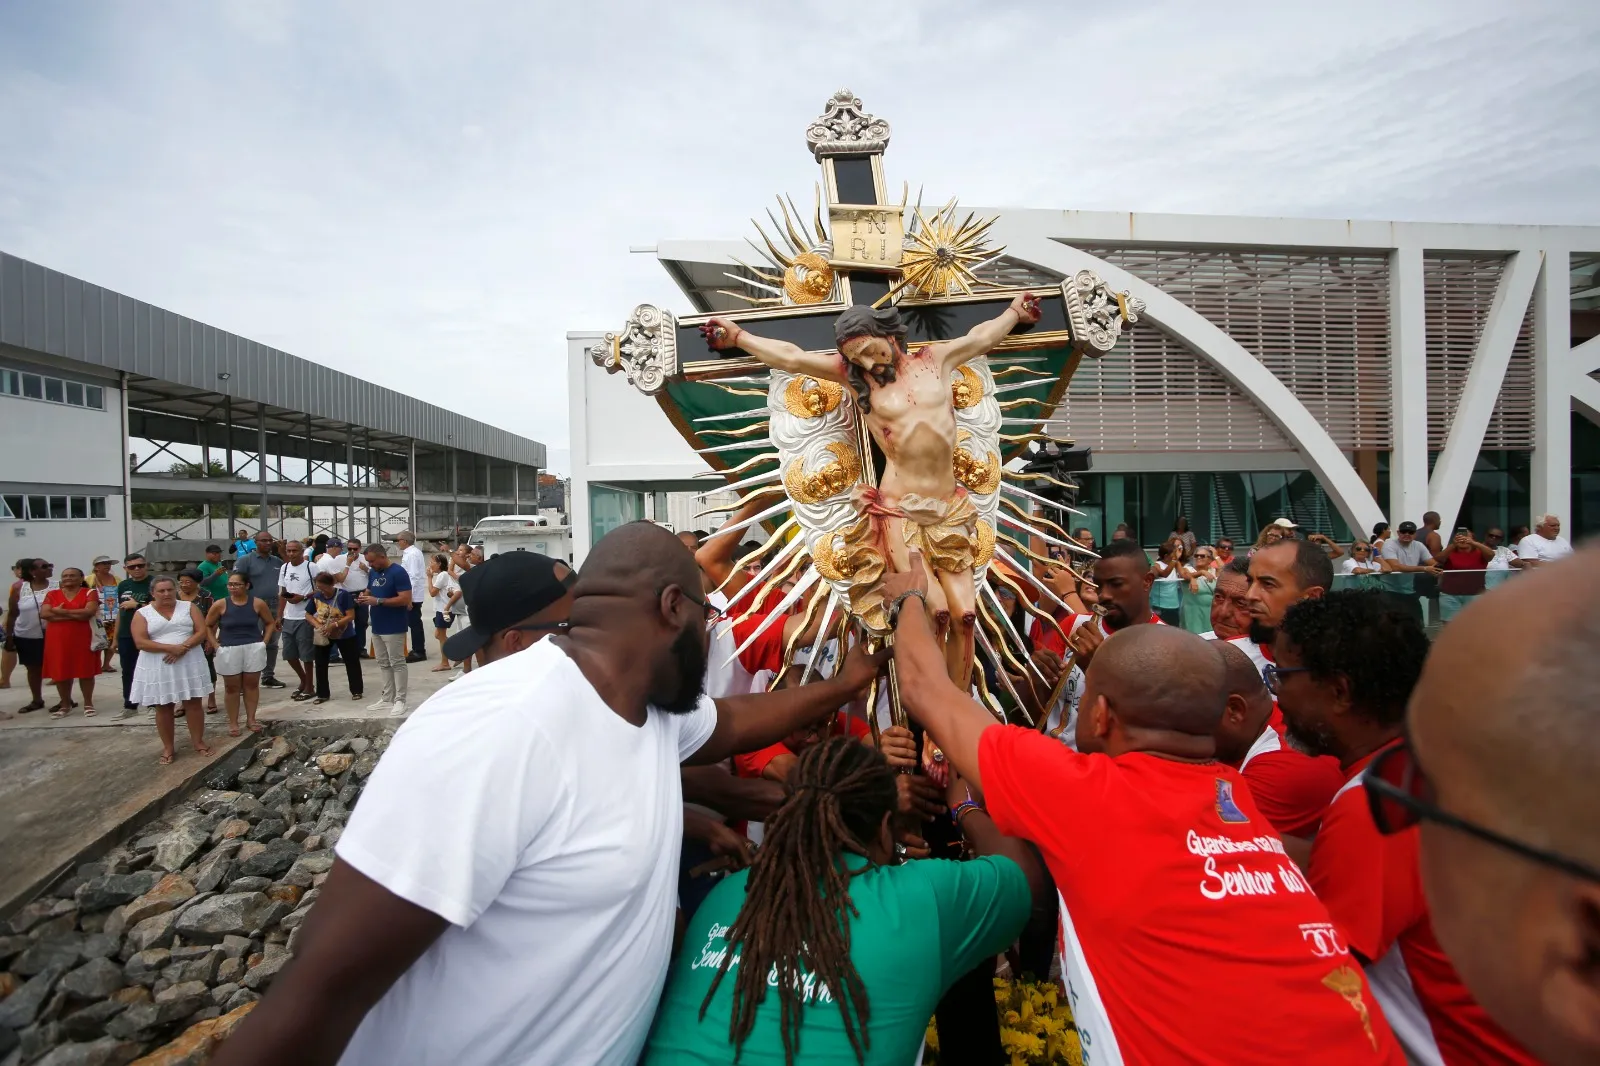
{"type": "Point", "coordinates": [296, 582]}
{"type": "Point", "coordinates": [504, 892]}
{"type": "Point", "coordinates": [416, 568]}
{"type": "Point", "coordinates": [1544, 545]}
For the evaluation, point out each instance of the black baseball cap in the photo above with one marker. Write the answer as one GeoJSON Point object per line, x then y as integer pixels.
{"type": "Point", "coordinates": [1406, 527]}
{"type": "Point", "coordinates": [503, 591]}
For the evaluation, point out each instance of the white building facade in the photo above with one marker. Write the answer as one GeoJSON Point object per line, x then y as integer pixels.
{"type": "Point", "coordinates": [62, 478]}
{"type": "Point", "coordinates": [1339, 372]}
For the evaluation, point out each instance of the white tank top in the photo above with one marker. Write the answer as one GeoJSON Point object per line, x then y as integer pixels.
{"type": "Point", "coordinates": [29, 600]}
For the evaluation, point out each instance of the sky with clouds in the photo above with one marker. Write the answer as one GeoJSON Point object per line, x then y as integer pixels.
{"type": "Point", "coordinates": [431, 195]}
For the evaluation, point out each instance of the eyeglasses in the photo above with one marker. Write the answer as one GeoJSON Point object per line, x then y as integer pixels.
{"type": "Point", "coordinates": [136, 566]}
{"type": "Point", "coordinates": [1400, 796]}
{"type": "Point", "coordinates": [538, 627]}
{"type": "Point", "coordinates": [712, 613]}
{"type": "Point", "coordinates": [1273, 674]}
{"type": "Point", "coordinates": [1360, 548]}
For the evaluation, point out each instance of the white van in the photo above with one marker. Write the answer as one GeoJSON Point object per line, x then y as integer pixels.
{"type": "Point", "coordinates": [522, 533]}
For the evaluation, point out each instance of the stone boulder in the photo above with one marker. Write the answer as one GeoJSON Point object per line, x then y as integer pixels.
{"type": "Point", "coordinates": [18, 1010]}
{"type": "Point", "coordinates": [113, 890]}
{"type": "Point", "coordinates": [90, 1022]}
{"type": "Point", "coordinates": [275, 752]}
{"type": "Point", "coordinates": [107, 1051]}
{"type": "Point", "coordinates": [199, 1042]}
{"type": "Point", "coordinates": [63, 951]}
{"type": "Point", "coordinates": [276, 857]}
{"type": "Point", "coordinates": [177, 847]}
{"type": "Point", "coordinates": [237, 913]}
{"type": "Point", "coordinates": [95, 979]}
{"type": "Point", "coordinates": [168, 892]}
{"type": "Point", "coordinates": [155, 931]}
{"type": "Point", "coordinates": [335, 764]}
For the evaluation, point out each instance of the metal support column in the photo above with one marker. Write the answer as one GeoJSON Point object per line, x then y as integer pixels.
{"type": "Point", "coordinates": [411, 482]}
{"type": "Point", "coordinates": [350, 473]}
{"type": "Point", "coordinates": [455, 500]}
{"type": "Point", "coordinates": [261, 466]}
{"type": "Point", "coordinates": [516, 488]}
{"type": "Point", "coordinates": [205, 467]}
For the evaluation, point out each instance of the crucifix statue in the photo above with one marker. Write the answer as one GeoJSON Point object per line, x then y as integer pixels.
{"type": "Point", "coordinates": [904, 398]}
{"type": "Point", "coordinates": [874, 342]}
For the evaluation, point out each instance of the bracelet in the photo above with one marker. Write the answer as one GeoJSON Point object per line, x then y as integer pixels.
{"type": "Point", "coordinates": [899, 601]}
{"type": "Point", "coordinates": [964, 807]}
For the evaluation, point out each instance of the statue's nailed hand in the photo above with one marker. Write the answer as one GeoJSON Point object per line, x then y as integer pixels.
{"type": "Point", "coordinates": [720, 334]}
{"type": "Point", "coordinates": [1027, 308]}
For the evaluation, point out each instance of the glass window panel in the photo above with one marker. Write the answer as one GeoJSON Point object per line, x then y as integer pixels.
{"type": "Point", "coordinates": [94, 396]}
{"type": "Point", "coordinates": [97, 506]}
{"type": "Point", "coordinates": [33, 386]}
{"type": "Point", "coordinates": [14, 507]}
{"type": "Point", "coordinates": [10, 382]}
{"type": "Point", "coordinates": [38, 507]}
{"type": "Point", "coordinates": [80, 507]}
{"type": "Point", "coordinates": [75, 394]}
{"type": "Point", "coordinates": [58, 507]}
{"type": "Point", "coordinates": [55, 390]}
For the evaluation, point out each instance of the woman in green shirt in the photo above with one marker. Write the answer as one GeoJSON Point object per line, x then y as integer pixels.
{"type": "Point", "coordinates": [855, 951]}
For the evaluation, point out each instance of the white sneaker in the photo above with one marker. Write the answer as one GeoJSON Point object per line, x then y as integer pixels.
{"type": "Point", "coordinates": [398, 710]}
{"type": "Point", "coordinates": [454, 674]}
{"type": "Point", "coordinates": [381, 705]}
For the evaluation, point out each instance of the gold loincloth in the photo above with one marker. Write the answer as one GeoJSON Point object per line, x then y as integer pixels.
{"type": "Point", "coordinates": [944, 531]}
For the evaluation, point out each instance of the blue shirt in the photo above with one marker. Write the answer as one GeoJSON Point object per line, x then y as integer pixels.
{"type": "Point", "coordinates": [241, 548]}
{"type": "Point", "coordinates": [383, 584]}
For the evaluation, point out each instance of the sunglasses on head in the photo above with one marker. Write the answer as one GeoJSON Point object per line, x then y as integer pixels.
{"type": "Point", "coordinates": [1400, 796]}
{"type": "Point", "coordinates": [712, 613]}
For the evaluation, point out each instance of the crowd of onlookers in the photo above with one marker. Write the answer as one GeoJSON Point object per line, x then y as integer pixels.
{"type": "Point", "coordinates": [171, 636]}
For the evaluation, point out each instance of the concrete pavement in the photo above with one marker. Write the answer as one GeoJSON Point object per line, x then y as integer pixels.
{"type": "Point", "coordinates": [71, 787]}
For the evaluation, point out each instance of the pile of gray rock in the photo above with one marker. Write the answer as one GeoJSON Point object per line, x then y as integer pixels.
{"type": "Point", "coordinates": [160, 947]}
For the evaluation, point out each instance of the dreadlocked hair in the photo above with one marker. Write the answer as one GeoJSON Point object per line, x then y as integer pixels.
{"type": "Point", "coordinates": [793, 917]}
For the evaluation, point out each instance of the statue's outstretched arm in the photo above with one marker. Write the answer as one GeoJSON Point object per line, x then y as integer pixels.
{"type": "Point", "coordinates": [721, 335]}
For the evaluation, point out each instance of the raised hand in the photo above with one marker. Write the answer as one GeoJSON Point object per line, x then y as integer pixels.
{"type": "Point", "coordinates": [919, 796]}
{"type": "Point", "coordinates": [720, 334]}
{"type": "Point", "coordinates": [1027, 308]}
{"type": "Point", "coordinates": [861, 666]}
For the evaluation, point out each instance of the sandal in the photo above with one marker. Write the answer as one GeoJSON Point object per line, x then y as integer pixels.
{"type": "Point", "coordinates": [203, 750]}
{"type": "Point", "coordinates": [60, 712]}
{"type": "Point", "coordinates": [301, 697]}
{"type": "Point", "coordinates": [36, 705]}
{"type": "Point", "coordinates": [319, 700]}
{"type": "Point", "coordinates": [88, 711]}
{"type": "Point", "coordinates": [254, 727]}
{"type": "Point", "coordinates": [233, 731]}
{"type": "Point", "coordinates": [442, 669]}
{"type": "Point", "coordinates": [166, 757]}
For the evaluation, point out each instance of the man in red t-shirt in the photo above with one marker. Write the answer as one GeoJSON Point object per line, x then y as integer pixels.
{"type": "Point", "coordinates": [1123, 575]}
{"type": "Point", "coordinates": [1281, 575]}
{"type": "Point", "coordinates": [1346, 665]}
{"type": "Point", "coordinates": [1188, 935]}
{"type": "Point", "coordinates": [1290, 788]}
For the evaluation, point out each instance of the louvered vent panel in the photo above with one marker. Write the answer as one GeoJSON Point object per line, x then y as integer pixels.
{"type": "Point", "coordinates": [1318, 321]}
{"type": "Point", "coordinates": [1459, 290]}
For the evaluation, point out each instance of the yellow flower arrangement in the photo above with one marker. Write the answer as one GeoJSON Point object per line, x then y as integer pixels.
{"type": "Point", "coordinates": [1035, 1026]}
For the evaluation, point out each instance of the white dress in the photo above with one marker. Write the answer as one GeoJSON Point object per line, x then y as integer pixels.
{"type": "Point", "coordinates": [156, 681]}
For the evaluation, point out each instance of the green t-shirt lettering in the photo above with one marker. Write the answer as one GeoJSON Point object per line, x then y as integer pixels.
{"type": "Point", "coordinates": [140, 591]}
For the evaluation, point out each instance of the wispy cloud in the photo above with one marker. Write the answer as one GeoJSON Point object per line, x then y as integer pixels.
{"type": "Point", "coordinates": [432, 197]}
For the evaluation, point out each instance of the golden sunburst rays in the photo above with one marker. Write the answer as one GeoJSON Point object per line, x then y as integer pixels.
{"type": "Point", "coordinates": [796, 269]}
{"type": "Point", "coordinates": [942, 256]}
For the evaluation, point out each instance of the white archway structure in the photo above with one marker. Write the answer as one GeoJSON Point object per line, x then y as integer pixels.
{"type": "Point", "coordinates": [1198, 333]}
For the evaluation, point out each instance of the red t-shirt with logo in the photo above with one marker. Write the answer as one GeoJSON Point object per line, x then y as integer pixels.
{"type": "Point", "coordinates": [1188, 935]}
{"type": "Point", "coordinates": [1372, 885]}
{"type": "Point", "coordinates": [1046, 636]}
{"type": "Point", "coordinates": [1292, 789]}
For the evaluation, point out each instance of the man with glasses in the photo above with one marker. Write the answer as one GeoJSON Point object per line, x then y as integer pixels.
{"type": "Point", "coordinates": [1499, 772]}
{"type": "Point", "coordinates": [1224, 551]}
{"type": "Point", "coordinates": [1346, 664]}
{"type": "Point", "coordinates": [513, 601]}
{"type": "Point", "coordinates": [133, 592]}
{"type": "Point", "coordinates": [261, 568]}
{"type": "Point", "coordinates": [1495, 540]}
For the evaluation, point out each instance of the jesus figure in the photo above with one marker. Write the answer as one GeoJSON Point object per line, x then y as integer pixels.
{"type": "Point", "coordinates": [905, 400]}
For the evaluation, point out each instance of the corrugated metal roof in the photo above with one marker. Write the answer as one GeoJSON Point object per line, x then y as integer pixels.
{"type": "Point", "coordinates": [46, 311]}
